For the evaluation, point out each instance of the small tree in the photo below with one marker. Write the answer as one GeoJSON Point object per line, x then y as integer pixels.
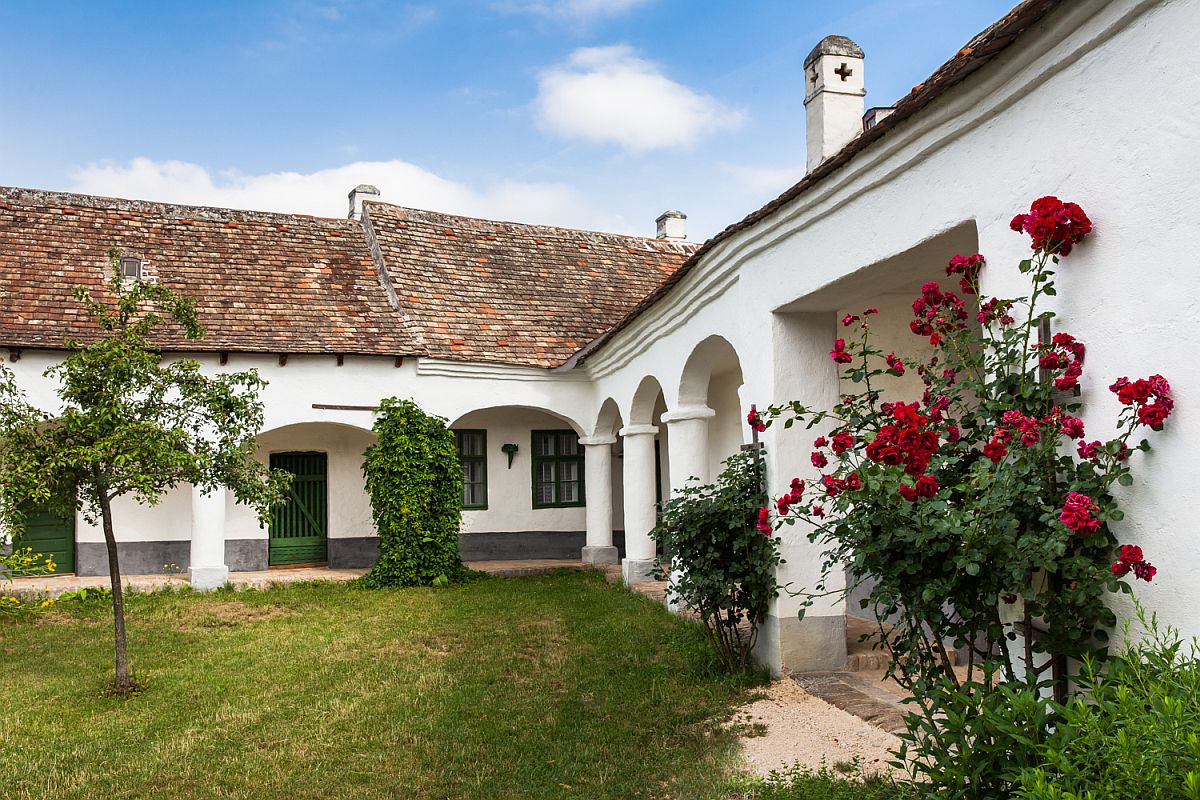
{"type": "Point", "coordinates": [415, 481]}
{"type": "Point", "coordinates": [729, 556]}
{"type": "Point", "coordinates": [131, 424]}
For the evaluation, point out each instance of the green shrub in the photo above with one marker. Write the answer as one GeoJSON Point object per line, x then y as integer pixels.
{"type": "Point", "coordinates": [1137, 737]}
{"type": "Point", "coordinates": [729, 577]}
{"type": "Point", "coordinates": [414, 479]}
{"type": "Point", "coordinates": [972, 740]}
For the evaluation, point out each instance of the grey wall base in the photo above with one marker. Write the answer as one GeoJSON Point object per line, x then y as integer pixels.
{"type": "Point", "coordinates": [150, 558]}
{"type": "Point", "coordinates": [600, 555]}
{"type": "Point", "coordinates": [136, 558]}
{"type": "Point", "coordinates": [509, 546]}
{"type": "Point", "coordinates": [788, 645]}
{"type": "Point", "coordinates": [246, 555]}
{"type": "Point", "coordinates": [356, 552]}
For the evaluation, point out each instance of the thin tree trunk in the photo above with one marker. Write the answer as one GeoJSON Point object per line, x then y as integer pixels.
{"type": "Point", "coordinates": [123, 684]}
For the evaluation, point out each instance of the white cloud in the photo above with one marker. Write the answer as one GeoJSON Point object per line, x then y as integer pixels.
{"type": "Point", "coordinates": [608, 95]}
{"type": "Point", "coordinates": [579, 10]}
{"type": "Point", "coordinates": [323, 192]}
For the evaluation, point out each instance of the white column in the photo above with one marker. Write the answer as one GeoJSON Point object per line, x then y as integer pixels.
{"type": "Point", "coordinates": [208, 570]}
{"type": "Point", "coordinates": [638, 478]}
{"type": "Point", "coordinates": [597, 480]}
{"type": "Point", "coordinates": [688, 427]}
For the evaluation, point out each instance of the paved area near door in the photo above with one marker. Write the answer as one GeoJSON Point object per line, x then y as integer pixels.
{"type": "Point", "coordinates": [55, 585]}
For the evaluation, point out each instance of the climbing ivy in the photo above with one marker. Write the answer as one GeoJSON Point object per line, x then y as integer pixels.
{"type": "Point", "coordinates": [415, 482]}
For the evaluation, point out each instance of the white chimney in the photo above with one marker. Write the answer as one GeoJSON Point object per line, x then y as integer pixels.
{"type": "Point", "coordinates": [670, 226]}
{"type": "Point", "coordinates": [364, 191]}
{"type": "Point", "coordinates": [833, 96]}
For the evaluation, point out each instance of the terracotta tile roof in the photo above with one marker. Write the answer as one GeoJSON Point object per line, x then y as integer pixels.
{"type": "Point", "coordinates": [489, 291]}
{"type": "Point", "coordinates": [263, 282]}
{"type": "Point", "coordinates": [984, 47]}
{"type": "Point", "coordinates": [466, 289]}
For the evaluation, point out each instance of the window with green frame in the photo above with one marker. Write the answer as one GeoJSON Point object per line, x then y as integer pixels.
{"type": "Point", "coordinates": [472, 453]}
{"type": "Point", "coordinates": [557, 469]}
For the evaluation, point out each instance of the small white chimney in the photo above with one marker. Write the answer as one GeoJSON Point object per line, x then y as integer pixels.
{"type": "Point", "coordinates": [833, 96]}
{"type": "Point", "coordinates": [364, 191]}
{"type": "Point", "coordinates": [671, 225]}
{"type": "Point", "coordinates": [876, 115]}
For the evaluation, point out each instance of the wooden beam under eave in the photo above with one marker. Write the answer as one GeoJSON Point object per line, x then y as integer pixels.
{"type": "Point", "coordinates": [399, 361]}
{"type": "Point", "coordinates": [224, 357]}
{"type": "Point", "coordinates": [14, 354]}
{"type": "Point", "coordinates": [341, 359]}
{"type": "Point", "coordinates": [283, 359]}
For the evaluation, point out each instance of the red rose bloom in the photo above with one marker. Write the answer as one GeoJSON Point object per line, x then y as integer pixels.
{"type": "Point", "coordinates": [838, 353]}
{"type": "Point", "coordinates": [927, 486]}
{"type": "Point", "coordinates": [1077, 514]}
{"type": "Point", "coordinates": [1072, 427]}
{"type": "Point", "coordinates": [995, 450]}
{"type": "Point", "coordinates": [819, 460]}
{"type": "Point", "coordinates": [842, 442]}
{"type": "Point", "coordinates": [849, 320]}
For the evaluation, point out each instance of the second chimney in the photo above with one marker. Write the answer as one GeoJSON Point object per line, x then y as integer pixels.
{"type": "Point", "coordinates": [833, 96]}
{"type": "Point", "coordinates": [671, 225]}
{"type": "Point", "coordinates": [364, 191]}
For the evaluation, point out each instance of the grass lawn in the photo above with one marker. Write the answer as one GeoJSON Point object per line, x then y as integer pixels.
{"type": "Point", "coordinates": [553, 686]}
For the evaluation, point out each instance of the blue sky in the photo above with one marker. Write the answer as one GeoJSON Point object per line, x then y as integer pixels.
{"type": "Point", "coordinates": [590, 113]}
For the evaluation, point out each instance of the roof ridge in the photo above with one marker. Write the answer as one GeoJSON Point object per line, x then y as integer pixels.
{"type": "Point", "coordinates": [560, 229]}
{"type": "Point", "coordinates": [24, 194]}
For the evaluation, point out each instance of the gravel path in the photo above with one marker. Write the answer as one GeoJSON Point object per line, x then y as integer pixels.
{"type": "Point", "coordinates": [803, 728]}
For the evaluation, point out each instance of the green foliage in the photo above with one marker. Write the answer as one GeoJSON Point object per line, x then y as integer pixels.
{"type": "Point", "coordinates": [971, 740]}
{"type": "Point", "coordinates": [23, 562]}
{"type": "Point", "coordinates": [729, 580]}
{"type": "Point", "coordinates": [843, 782]}
{"type": "Point", "coordinates": [414, 478]}
{"type": "Point", "coordinates": [1134, 734]}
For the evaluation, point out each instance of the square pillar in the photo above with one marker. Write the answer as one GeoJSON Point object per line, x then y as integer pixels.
{"type": "Point", "coordinates": [803, 371]}
{"type": "Point", "coordinates": [597, 468]}
{"type": "Point", "coordinates": [208, 569]}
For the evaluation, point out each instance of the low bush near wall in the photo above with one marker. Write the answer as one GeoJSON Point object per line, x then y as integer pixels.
{"type": "Point", "coordinates": [1137, 733]}
{"type": "Point", "coordinates": [728, 575]}
{"type": "Point", "coordinates": [415, 482]}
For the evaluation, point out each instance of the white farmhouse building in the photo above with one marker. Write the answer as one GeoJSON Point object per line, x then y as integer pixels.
{"type": "Point", "coordinates": [619, 367]}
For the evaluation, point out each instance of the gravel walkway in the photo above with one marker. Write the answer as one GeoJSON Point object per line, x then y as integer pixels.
{"type": "Point", "coordinates": [803, 728]}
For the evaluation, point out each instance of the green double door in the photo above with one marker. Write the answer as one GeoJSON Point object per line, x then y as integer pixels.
{"type": "Point", "coordinates": [300, 527]}
{"type": "Point", "coordinates": [52, 536]}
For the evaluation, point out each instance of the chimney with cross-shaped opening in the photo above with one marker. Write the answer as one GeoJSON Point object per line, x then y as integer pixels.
{"type": "Point", "coordinates": [833, 96]}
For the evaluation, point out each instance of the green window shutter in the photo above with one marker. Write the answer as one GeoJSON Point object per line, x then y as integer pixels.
{"type": "Point", "coordinates": [472, 454]}
{"type": "Point", "coordinates": [557, 469]}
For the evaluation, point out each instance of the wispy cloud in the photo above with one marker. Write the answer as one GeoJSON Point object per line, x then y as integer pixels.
{"type": "Point", "coordinates": [323, 192]}
{"type": "Point", "coordinates": [608, 95]}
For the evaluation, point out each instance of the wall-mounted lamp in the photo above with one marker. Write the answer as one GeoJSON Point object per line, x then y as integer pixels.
{"type": "Point", "coordinates": [509, 450]}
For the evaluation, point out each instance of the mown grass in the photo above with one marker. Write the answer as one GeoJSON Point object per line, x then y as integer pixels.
{"type": "Point", "coordinates": [552, 686]}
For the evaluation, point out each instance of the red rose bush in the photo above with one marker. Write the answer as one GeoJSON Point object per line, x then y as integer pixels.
{"type": "Point", "coordinates": [979, 515]}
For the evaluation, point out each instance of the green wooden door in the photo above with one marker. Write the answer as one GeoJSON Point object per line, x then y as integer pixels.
{"type": "Point", "coordinates": [52, 536]}
{"type": "Point", "coordinates": [299, 527]}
